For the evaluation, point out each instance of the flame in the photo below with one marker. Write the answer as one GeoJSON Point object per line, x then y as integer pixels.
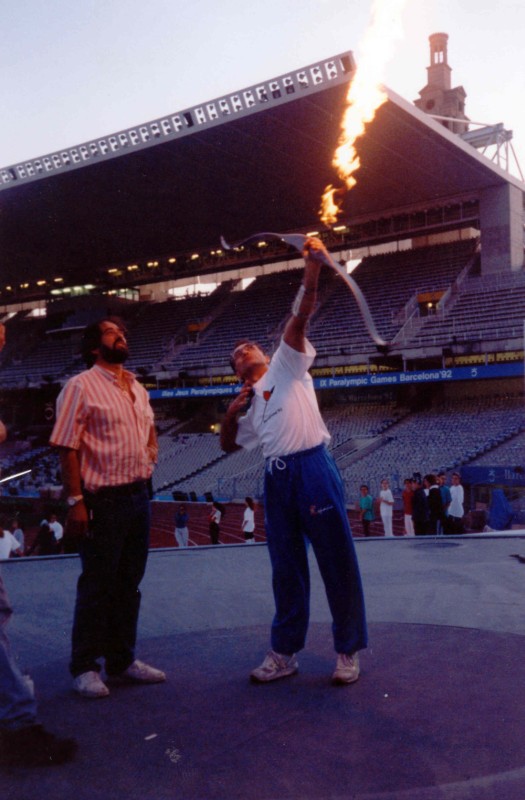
{"type": "Point", "coordinates": [365, 95]}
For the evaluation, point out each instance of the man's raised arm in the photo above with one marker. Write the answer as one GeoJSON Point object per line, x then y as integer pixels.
{"type": "Point", "coordinates": [306, 299]}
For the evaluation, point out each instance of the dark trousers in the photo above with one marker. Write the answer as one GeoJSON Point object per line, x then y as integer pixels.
{"type": "Point", "coordinates": [113, 557]}
{"type": "Point", "coordinates": [304, 502]}
{"type": "Point", "coordinates": [214, 533]}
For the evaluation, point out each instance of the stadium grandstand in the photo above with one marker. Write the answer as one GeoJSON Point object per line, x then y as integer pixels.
{"type": "Point", "coordinates": [131, 224]}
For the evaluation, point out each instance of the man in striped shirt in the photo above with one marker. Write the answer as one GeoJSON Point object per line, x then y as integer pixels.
{"type": "Point", "coordinates": [105, 432]}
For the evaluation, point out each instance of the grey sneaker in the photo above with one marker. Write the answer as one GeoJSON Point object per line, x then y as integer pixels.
{"type": "Point", "coordinates": [346, 669]}
{"type": "Point", "coordinates": [274, 666]}
{"type": "Point", "coordinates": [90, 684]}
{"type": "Point", "coordinates": [139, 672]}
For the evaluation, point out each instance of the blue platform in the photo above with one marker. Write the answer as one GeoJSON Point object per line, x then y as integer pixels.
{"type": "Point", "coordinates": [436, 715]}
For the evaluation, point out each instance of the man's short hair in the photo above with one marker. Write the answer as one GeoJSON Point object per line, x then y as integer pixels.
{"type": "Point", "coordinates": [92, 337]}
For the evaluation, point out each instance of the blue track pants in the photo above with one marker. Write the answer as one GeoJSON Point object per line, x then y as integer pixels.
{"type": "Point", "coordinates": [304, 501]}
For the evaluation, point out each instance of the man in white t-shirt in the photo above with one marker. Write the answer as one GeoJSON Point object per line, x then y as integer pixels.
{"type": "Point", "coordinates": [304, 497]}
{"type": "Point", "coordinates": [456, 508]}
{"type": "Point", "coordinates": [56, 527]}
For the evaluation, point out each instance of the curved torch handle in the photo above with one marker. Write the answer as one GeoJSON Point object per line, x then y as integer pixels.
{"type": "Point", "coordinates": [298, 241]}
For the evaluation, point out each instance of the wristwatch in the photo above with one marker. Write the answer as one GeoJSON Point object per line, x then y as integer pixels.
{"type": "Point", "coordinates": [74, 499]}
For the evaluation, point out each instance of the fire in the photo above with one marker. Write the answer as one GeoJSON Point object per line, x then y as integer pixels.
{"type": "Point", "coordinates": [365, 95]}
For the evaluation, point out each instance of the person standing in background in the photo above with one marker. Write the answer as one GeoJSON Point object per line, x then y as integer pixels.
{"type": "Point", "coordinates": [386, 507]}
{"type": "Point", "coordinates": [181, 526]}
{"type": "Point", "coordinates": [435, 503]}
{"type": "Point", "coordinates": [18, 533]}
{"type": "Point", "coordinates": [408, 497]}
{"type": "Point", "coordinates": [366, 508]}
{"type": "Point", "coordinates": [214, 518]}
{"type": "Point", "coordinates": [248, 522]}
{"type": "Point", "coordinates": [456, 509]}
{"type": "Point", "coordinates": [420, 512]}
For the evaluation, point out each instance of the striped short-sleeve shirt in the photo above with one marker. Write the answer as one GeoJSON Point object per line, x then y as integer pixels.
{"type": "Point", "coordinates": [109, 427]}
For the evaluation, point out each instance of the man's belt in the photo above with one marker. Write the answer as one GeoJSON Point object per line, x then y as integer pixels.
{"type": "Point", "coordinates": [122, 490]}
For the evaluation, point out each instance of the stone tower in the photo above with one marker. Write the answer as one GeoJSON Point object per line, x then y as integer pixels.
{"type": "Point", "coordinates": [437, 97]}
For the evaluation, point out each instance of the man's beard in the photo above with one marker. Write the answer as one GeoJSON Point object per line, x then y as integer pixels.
{"type": "Point", "coordinates": [114, 355]}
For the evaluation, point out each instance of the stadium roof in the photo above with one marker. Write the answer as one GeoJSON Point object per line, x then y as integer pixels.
{"type": "Point", "coordinates": [256, 160]}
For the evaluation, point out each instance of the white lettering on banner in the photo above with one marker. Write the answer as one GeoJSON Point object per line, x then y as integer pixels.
{"type": "Point", "coordinates": [348, 382]}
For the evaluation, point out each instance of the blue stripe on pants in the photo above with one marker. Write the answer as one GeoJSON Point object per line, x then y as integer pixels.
{"type": "Point", "coordinates": [304, 501]}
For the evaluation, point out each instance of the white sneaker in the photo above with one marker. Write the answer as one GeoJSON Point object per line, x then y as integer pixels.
{"type": "Point", "coordinates": [274, 666]}
{"type": "Point", "coordinates": [346, 669]}
{"type": "Point", "coordinates": [139, 672]}
{"type": "Point", "coordinates": [90, 684]}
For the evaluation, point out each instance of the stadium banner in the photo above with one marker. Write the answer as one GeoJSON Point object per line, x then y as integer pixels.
{"type": "Point", "coordinates": [493, 476]}
{"type": "Point", "coordinates": [479, 372]}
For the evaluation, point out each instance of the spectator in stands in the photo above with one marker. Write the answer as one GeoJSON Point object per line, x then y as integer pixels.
{"type": "Point", "coordinates": [181, 526]}
{"type": "Point", "coordinates": [435, 503]}
{"type": "Point", "coordinates": [304, 495]}
{"type": "Point", "coordinates": [23, 741]}
{"type": "Point", "coordinates": [44, 544]}
{"type": "Point", "coordinates": [106, 437]}
{"type": "Point", "coordinates": [216, 513]}
{"type": "Point", "coordinates": [456, 509]}
{"type": "Point", "coordinates": [248, 521]}
{"type": "Point", "coordinates": [446, 498]}
{"type": "Point", "coordinates": [18, 533]}
{"type": "Point", "coordinates": [386, 507]}
{"type": "Point", "coordinates": [408, 496]}
{"type": "Point", "coordinates": [366, 509]}
{"type": "Point", "coordinates": [420, 513]}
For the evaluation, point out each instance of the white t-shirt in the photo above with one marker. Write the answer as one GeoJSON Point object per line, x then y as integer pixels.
{"type": "Point", "coordinates": [58, 530]}
{"type": "Point", "coordinates": [284, 415]}
{"type": "Point", "coordinates": [385, 508]}
{"type": "Point", "coordinates": [8, 545]}
{"type": "Point", "coordinates": [248, 524]}
{"type": "Point", "coordinates": [457, 493]}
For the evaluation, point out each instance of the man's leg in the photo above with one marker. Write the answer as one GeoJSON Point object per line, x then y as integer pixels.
{"type": "Point", "coordinates": [133, 518]}
{"type": "Point", "coordinates": [100, 554]}
{"type": "Point", "coordinates": [290, 573]}
{"type": "Point", "coordinates": [326, 522]}
{"type": "Point", "coordinates": [17, 701]}
{"type": "Point", "coordinates": [23, 742]}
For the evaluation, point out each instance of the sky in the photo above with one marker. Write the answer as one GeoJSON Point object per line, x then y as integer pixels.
{"type": "Point", "coordinates": [70, 72]}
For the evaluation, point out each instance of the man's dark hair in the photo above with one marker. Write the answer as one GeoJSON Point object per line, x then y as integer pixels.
{"type": "Point", "coordinates": [92, 337]}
